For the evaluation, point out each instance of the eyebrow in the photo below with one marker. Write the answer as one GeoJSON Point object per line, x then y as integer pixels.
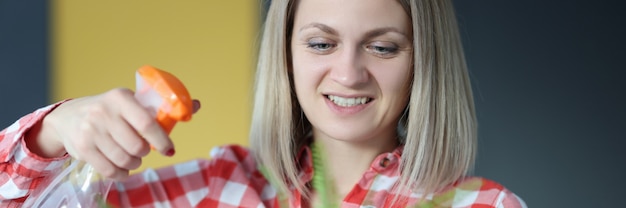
{"type": "Point", "coordinates": [320, 26]}
{"type": "Point", "coordinates": [381, 31]}
{"type": "Point", "coordinates": [369, 34]}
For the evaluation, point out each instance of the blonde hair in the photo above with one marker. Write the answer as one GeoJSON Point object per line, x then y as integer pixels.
{"type": "Point", "coordinates": [439, 124]}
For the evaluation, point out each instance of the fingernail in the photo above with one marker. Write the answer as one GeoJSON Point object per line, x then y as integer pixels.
{"type": "Point", "coordinates": [170, 152]}
{"type": "Point", "coordinates": [197, 103]}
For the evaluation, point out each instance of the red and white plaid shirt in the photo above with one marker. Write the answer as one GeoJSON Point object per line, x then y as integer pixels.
{"type": "Point", "coordinates": [230, 179]}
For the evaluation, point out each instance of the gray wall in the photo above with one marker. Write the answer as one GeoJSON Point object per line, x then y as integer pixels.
{"type": "Point", "coordinates": [548, 85]}
{"type": "Point", "coordinates": [23, 58]}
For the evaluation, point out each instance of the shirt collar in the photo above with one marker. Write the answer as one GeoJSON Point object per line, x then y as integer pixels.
{"type": "Point", "coordinates": [388, 161]}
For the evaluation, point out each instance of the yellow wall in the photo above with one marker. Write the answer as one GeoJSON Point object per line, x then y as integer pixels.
{"type": "Point", "coordinates": [209, 45]}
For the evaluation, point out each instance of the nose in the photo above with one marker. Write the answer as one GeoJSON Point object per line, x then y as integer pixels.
{"type": "Point", "coordinates": [349, 69]}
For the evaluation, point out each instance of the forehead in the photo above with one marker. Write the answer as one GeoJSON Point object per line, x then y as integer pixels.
{"type": "Point", "coordinates": [352, 15]}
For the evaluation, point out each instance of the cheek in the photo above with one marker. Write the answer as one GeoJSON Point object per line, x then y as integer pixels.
{"type": "Point", "coordinates": [307, 72]}
{"type": "Point", "coordinates": [394, 79]}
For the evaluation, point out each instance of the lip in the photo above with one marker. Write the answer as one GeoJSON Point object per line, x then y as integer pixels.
{"type": "Point", "coordinates": [346, 111]}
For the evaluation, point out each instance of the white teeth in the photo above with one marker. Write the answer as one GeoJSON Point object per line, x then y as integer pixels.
{"type": "Point", "coordinates": [347, 102]}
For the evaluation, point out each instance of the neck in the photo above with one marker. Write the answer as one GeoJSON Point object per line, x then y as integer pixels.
{"type": "Point", "coordinates": [346, 161]}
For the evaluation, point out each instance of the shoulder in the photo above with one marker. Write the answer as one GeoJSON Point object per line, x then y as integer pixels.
{"type": "Point", "coordinates": [229, 177]}
{"type": "Point", "coordinates": [232, 152]}
{"type": "Point", "coordinates": [226, 162]}
{"type": "Point", "coordinates": [472, 191]}
{"type": "Point", "coordinates": [234, 160]}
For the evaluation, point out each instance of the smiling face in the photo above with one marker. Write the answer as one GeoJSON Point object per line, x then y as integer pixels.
{"type": "Point", "coordinates": [352, 67]}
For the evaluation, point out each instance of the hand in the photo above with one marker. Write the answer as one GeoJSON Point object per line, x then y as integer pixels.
{"type": "Point", "coordinates": [111, 131]}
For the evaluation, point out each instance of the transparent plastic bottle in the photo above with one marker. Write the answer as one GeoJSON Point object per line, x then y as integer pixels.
{"type": "Point", "coordinates": [79, 185]}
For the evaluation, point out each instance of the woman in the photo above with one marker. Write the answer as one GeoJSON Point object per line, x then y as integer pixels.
{"type": "Point", "coordinates": [357, 103]}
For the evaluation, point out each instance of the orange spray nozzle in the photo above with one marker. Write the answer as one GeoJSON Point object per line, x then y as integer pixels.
{"type": "Point", "coordinates": [166, 94]}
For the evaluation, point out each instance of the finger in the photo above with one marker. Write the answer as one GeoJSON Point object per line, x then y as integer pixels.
{"type": "Point", "coordinates": [196, 106]}
{"type": "Point", "coordinates": [104, 166]}
{"type": "Point", "coordinates": [116, 154]}
{"type": "Point", "coordinates": [144, 124]}
{"type": "Point", "coordinates": [81, 142]}
{"type": "Point", "coordinates": [126, 137]}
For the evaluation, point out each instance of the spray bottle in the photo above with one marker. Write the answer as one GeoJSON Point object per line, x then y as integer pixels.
{"type": "Point", "coordinates": [79, 185]}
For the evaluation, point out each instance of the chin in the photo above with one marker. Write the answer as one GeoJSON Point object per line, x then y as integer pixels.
{"type": "Point", "coordinates": [348, 133]}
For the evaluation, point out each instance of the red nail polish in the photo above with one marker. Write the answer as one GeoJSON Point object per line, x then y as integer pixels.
{"type": "Point", "coordinates": [170, 152]}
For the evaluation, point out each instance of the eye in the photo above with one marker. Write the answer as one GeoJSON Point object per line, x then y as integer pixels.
{"type": "Point", "coordinates": [382, 49]}
{"type": "Point", "coordinates": [320, 45]}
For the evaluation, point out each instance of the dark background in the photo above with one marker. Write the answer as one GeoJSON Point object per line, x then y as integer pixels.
{"type": "Point", "coordinates": [547, 79]}
{"type": "Point", "coordinates": [550, 96]}
{"type": "Point", "coordinates": [24, 63]}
